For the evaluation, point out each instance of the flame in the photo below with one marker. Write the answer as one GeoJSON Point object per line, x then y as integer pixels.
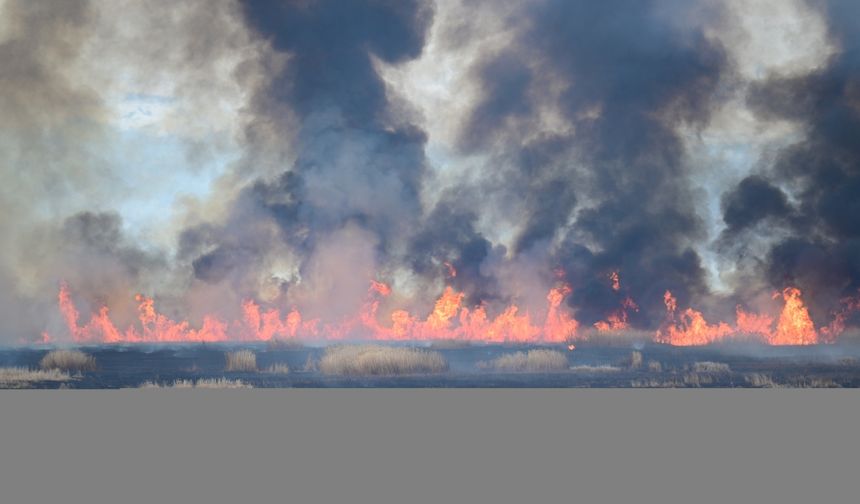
{"type": "Point", "coordinates": [670, 302]}
{"type": "Point", "coordinates": [754, 323]}
{"type": "Point", "coordinates": [617, 320]}
{"type": "Point", "coordinates": [380, 288]}
{"type": "Point", "coordinates": [830, 332]}
{"type": "Point", "coordinates": [690, 328]}
{"type": "Point", "coordinates": [693, 329]}
{"type": "Point", "coordinates": [449, 319]}
{"type": "Point", "coordinates": [559, 325]}
{"type": "Point", "coordinates": [446, 308]}
{"type": "Point", "coordinates": [452, 271]}
{"type": "Point", "coordinates": [795, 326]}
{"type": "Point", "coordinates": [616, 281]}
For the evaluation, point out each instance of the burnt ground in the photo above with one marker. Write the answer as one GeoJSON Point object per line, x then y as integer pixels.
{"type": "Point", "coordinates": [748, 366]}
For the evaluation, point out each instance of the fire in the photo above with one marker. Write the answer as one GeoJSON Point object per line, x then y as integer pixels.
{"type": "Point", "coordinates": [449, 319]}
{"type": "Point", "coordinates": [446, 308]}
{"type": "Point", "coordinates": [795, 326]}
{"type": "Point", "coordinates": [617, 320]}
{"type": "Point", "coordinates": [380, 288]}
{"type": "Point", "coordinates": [690, 328]}
{"type": "Point", "coordinates": [670, 302]}
{"type": "Point", "coordinates": [616, 281]}
{"type": "Point", "coordinates": [154, 327]}
{"type": "Point", "coordinates": [99, 328]}
{"type": "Point", "coordinates": [452, 271]}
{"type": "Point", "coordinates": [754, 323]}
{"type": "Point", "coordinates": [830, 332]}
{"type": "Point", "coordinates": [560, 325]}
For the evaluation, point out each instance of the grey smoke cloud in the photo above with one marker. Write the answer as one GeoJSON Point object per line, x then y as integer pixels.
{"type": "Point", "coordinates": [562, 140]}
{"type": "Point", "coordinates": [69, 69]}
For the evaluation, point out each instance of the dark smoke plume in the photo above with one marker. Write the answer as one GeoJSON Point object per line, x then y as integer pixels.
{"type": "Point", "coordinates": [612, 188]}
{"type": "Point", "coordinates": [567, 156]}
{"type": "Point", "coordinates": [822, 252]}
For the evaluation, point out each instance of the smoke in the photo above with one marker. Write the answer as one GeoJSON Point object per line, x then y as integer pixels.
{"type": "Point", "coordinates": [87, 92]}
{"type": "Point", "coordinates": [818, 250]}
{"type": "Point", "coordinates": [353, 174]}
{"type": "Point", "coordinates": [603, 184]}
{"type": "Point", "coordinates": [44, 118]}
{"type": "Point", "coordinates": [754, 200]}
{"type": "Point", "coordinates": [292, 151]}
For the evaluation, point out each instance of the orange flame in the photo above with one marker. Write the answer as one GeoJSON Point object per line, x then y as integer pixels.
{"type": "Point", "coordinates": [559, 325]}
{"type": "Point", "coordinates": [754, 323]}
{"type": "Point", "coordinates": [448, 320]}
{"type": "Point", "coordinates": [380, 288]}
{"type": "Point", "coordinates": [691, 328]}
{"type": "Point", "coordinates": [830, 332]}
{"type": "Point", "coordinates": [446, 308]}
{"type": "Point", "coordinates": [795, 326]}
{"type": "Point", "coordinates": [670, 302]}
{"type": "Point", "coordinates": [617, 320]}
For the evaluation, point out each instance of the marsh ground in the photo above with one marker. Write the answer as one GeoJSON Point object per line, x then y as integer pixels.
{"type": "Point", "coordinates": [589, 366]}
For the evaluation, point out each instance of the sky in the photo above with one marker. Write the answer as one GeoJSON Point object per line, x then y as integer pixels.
{"type": "Point", "coordinates": [289, 152]}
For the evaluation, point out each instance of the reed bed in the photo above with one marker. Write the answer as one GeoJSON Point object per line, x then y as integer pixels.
{"type": "Point", "coordinates": [370, 360]}
{"type": "Point", "coordinates": [68, 360]}
{"type": "Point", "coordinates": [534, 361]}
{"type": "Point", "coordinates": [20, 377]}
{"type": "Point", "coordinates": [241, 360]}
{"type": "Point", "coordinates": [202, 383]}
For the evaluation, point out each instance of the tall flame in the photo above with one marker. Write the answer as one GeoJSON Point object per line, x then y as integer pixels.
{"type": "Point", "coordinates": [795, 326]}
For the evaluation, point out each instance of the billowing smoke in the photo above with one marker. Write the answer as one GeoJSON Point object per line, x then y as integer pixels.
{"type": "Point", "coordinates": [292, 152]}
{"type": "Point", "coordinates": [806, 202]}
{"type": "Point", "coordinates": [606, 189]}
{"type": "Point", "coordinates": [86, 127]}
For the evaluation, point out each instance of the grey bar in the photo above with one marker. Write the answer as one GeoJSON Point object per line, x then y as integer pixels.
{"type": "Point", "coordinates": [522, 446]}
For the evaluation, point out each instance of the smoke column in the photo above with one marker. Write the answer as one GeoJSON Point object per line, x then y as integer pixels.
{"type": "Point", "coordinates": [492, 170]}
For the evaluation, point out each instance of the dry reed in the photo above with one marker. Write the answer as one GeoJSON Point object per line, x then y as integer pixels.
{"type": "Point", "coordinates": [19, 377]}
{"type": "Point", "coordinates": [68, 360]}
{"type": "Point", "coordinates": [537, 360]}
{"type": "Point", "coordinates": [241, 360]}
{"type": "Point", "coordinates": [362, 360]}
